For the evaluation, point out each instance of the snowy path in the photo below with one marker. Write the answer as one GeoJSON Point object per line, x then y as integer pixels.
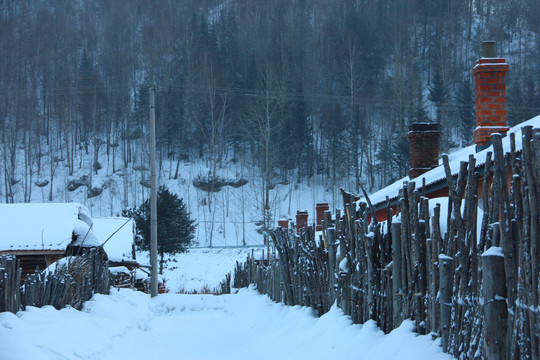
{"type": "Point", "coordinates": [128, 325]}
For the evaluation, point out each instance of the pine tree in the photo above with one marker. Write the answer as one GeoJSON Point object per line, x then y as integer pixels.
{"type": "Point", "coordinates": [420, 114]}
{"type": "Point", "coordinates": [531, 98]}
{"type": "Point", "coordinates": [465, 101]}
{"type": "Point", "coordinates": [86, 96]}
{"type": "Point", "coordinates": [175, 228]}
{"type": "Point", "coordinates": [439, 94]}
{"type": "Point", "coordinates": [298, 134]}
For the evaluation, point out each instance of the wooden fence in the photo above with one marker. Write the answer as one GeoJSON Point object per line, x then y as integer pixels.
{"type": "Point", "coordinates": [70, 284]}
{"type": "Point", "coordinates": [478, 293]}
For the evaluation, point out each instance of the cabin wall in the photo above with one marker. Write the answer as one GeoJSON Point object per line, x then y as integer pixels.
{"type": "Point", "coordinates": [32, 262]}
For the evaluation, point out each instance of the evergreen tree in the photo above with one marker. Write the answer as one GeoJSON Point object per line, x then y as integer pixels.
{"type": "Point", "coordinates": [400, 157]}
{"type": "Point", "coordinates": [420, 114]}
{"type": "Point", "coordinates": [439, 94]}
{"type": "Point", "coordinates": [465, 101]}
{"type": "Point", "coordinates": [515, 103]}
{"type": "Point", "coordinates": [532, 102]}
{"type": "Point", "coordinates": [86, 96]}
{"type": "Point", "coordinates": [175, 228]}
{"type": "Point", "coordinates": [297, 131]}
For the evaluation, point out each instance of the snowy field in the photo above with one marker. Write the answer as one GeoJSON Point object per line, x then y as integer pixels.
{"type": "Point", "coordinates": [247, 325]}
{"type": "Point", "coordinates": [201, 269]}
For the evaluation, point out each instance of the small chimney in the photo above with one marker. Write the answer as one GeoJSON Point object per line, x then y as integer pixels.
{"type": "Point", "coordinates": [284, 223]}
{"type": "Point", "coordinates": [320, 208]}
{"type": "Point", "coordinates": [490, 95]}
{"type": "Point", "coordinates": [301, 220]}
{"type": "Point", "coordinates": [423, 148]}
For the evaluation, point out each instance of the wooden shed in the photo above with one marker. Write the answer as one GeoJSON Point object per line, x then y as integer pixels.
{"type": "Point", "coordinates": [38, 234]}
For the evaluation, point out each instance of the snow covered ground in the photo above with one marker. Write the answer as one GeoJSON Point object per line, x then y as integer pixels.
{"type": "Point", "coordinates": [201, 269]}
{"type": "Point", "coordinates": [246, 325]}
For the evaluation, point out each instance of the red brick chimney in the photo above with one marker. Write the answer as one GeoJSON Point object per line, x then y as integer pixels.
{"type": "Point", "coordinates": [301, 220]}
{"type": "Point", "coordinates": [320, 208]}
{"type": "Point", "coordinates": [490, 95]}
{"type": "Point", "coordinates": [284, 223]}
{"type": "Point", "coordinates": [423, 148]}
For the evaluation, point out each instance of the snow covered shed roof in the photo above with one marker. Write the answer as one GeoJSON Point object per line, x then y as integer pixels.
{"type": "Point", "coordinates": [45, 227]}
{"type": "Point", "coordinates": [122, 234]}
{"type": "Point", "coordinates": [438, 174]}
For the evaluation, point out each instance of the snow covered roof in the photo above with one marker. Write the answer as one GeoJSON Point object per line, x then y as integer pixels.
{"type": "Point", "coordinates": [119, 246]}
{"type": "Point", "coordinates": [48, 226]}
{"type": "Point", "coordinates": [437, 174]}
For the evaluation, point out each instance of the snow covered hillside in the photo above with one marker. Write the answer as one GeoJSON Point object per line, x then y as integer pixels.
{"type": "Point", "coordinates": [231, 216]}
{"type": "Point", "coordinates": [130, 325]}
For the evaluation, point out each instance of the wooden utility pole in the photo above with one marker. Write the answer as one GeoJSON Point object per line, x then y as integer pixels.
{"type": "Point", "coordinates": [153, 195]}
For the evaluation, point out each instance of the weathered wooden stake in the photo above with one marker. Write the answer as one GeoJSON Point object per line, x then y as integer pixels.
{"type": "Point", "coordinates": [495, 309]}
{"type": "Point", "coordinates": [397, 275]}
{"type": "Point", "coordinates": [331, 236]}
{"type": "Point", "coordinates": [445, 272]}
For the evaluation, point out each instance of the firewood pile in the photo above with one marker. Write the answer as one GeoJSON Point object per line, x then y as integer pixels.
{"type": "Point", "coordinates": [121, 277]}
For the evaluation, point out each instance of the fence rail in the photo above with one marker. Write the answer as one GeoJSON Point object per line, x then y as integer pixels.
{"type": "Point", "coordinates": [479, 294]}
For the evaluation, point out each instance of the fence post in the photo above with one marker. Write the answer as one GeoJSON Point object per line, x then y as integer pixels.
{"type": "Point", "coordinates": [397, 275]}
{"type": "Point", "coordinates": [331, 235]}
{"type": "Point", "coordinates": [445, 272]}
{"type": "Point", "coordinates": [495, 309]}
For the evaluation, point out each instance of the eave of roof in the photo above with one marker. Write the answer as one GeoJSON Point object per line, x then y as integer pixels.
{"type": "Point", "coordinates": [437, 175]}
{"type": "Point", "coordinates": [32, 252]}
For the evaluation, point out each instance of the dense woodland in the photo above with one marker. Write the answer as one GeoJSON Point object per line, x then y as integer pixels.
{"type": "Point", "coordinates": [300, 88]}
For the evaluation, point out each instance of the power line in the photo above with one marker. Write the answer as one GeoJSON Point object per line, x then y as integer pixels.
{"type": "Point", "coordinates": [190, 88]}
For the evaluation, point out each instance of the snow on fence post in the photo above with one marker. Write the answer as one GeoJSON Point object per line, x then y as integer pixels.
{"type": "Point", "coordinates": [386, 297]}
{"type": "Point", "coordinates": [436, 240]}
{"type": "Point", "coordinates": [485, 202]}
{"type": "Point", "coordinates": [495, 308]}
{"type": "Point", "coordinates": [276, 280]}
{"type": "Point", "coordinates": [397, 275]}
{"type": "Point", "coordinates": [445, 272]}
{"type": "Point", "coordinates": [507, 242]}
{"type": "Point", "coordinates": [427, 257]}
{"type": "Point", "coordinates": [531, 180]}
{"type": "Point", "coordinates": [331, 239]}
{"type": "Point", "coordinates": [407, 264]}
{"type": "Point", "coordinates": [421, 282]}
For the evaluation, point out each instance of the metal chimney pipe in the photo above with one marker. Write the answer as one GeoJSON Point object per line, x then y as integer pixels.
{"type": "Point", "coordinates": [489, 49]}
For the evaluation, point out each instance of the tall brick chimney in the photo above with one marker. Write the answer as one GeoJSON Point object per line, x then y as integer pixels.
{"type": "Point", "coordinates": [423, 148]}
{"type": "Point", "coordinates": [490, 95]}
